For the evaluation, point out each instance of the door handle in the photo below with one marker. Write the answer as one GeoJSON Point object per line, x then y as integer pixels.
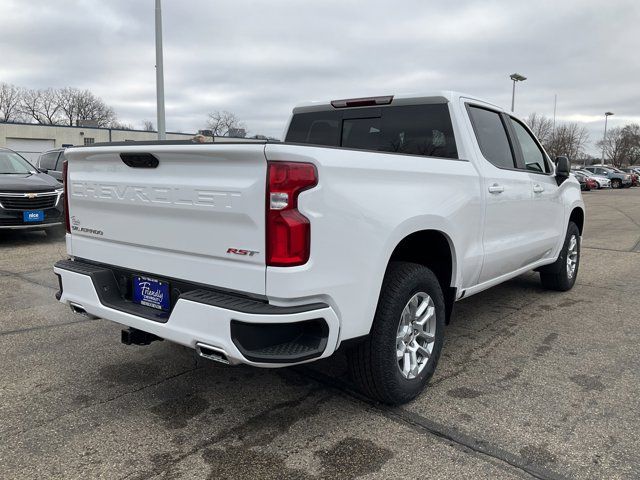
{"type": "Point", "coordinates": [495, 188]}
{"type": "Point", "coordinates": [537, 188]}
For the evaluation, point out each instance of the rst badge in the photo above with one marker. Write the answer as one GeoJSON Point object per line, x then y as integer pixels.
{"type": "Point", "coordinates": [238, 251]}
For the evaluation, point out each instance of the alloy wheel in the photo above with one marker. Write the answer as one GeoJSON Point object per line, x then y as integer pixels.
{"type": "Point", "coordinates": [572, 256]}
{"type": "Point", "coordinates": [416, 335]}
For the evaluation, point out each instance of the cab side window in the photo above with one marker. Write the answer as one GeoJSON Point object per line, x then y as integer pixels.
{"type": "Point", "coordinates": [48, 161]}
{"type": "Point", "coordinates": [492, 137]}
{"type": "Point", "coordinates": [59, 162]}
{"type": "Point", "coordinates": [534, 158]}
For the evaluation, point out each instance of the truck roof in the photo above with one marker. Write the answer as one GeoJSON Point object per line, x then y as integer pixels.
{"type": "Point", "coordinates": [436, 96]}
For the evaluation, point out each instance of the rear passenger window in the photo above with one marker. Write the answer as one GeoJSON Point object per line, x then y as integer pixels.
{"type": "Point", "coordinates": [410, 129]}
{"type": "Point", "coordinates": [492, 137]}
{"type": "Point", "coordinates": [48, 161]}
{"type": "Point", "coordinates": [361, 133]}
{"type": "Point", "coordinates": [533, 156]}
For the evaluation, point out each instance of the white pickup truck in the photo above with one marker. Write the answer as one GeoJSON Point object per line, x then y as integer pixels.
{"type": "Point", "coordinates": [361, 230]}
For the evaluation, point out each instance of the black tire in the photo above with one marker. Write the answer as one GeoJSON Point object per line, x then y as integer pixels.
{"type": "Point", "coordinates": [373, 363]}
{"type": "Point", "coordinates": [616, 183]}
{"type": "Point", "coordinates": [556, 276]}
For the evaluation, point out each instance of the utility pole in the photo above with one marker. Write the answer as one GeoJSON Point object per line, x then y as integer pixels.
{"type": "Point", "coordinates": [555, 103]}
{"type": "Point", "coordinates": [604, 139]}
{"type": "Point", "coordinates": [516, 77]}
{"type": "Point", "coordinates": [162, 135]}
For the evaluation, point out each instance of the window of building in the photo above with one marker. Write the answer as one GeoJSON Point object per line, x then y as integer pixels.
{"type": "Point", "coordinates": [89, 140]}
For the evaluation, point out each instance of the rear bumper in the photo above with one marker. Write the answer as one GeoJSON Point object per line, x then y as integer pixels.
{"type": "Point", "coordinates": [247, 331]}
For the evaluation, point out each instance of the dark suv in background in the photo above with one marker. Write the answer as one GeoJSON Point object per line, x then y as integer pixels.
{"type": "Point", "coordinates": [50, 162]}
{"type": "Point", "coordinates": [29, 198]}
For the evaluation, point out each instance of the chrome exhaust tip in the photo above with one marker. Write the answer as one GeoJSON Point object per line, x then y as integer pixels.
{"type": "Point", "coordinates": [79, 309]}
{"type": "Point", "coordinates": [212, 353]}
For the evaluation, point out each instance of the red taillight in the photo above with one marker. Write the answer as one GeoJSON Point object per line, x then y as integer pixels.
{"type": "Point", "coordinates": [288, 231]}
{"type": "Point", "coordinates": [65, 175]}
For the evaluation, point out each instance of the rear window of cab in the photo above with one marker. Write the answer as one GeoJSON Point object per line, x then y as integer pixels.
{"type": "Point", "coordinates": [409, 129]}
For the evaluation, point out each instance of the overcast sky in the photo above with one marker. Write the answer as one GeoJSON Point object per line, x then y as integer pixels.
{"type": "Point", "coordinates": [258, 59]}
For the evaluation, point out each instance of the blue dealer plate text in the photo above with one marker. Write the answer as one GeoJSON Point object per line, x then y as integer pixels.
{"type": "Point", "coordinates": [151, 292]}
{"type": "Point", "coordinates": [33, 216]}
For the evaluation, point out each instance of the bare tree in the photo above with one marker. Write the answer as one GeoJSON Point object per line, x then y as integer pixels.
{"type": "Point", "coordinates": [223, 123]}
{"type": "Point", "coordinates": [632, 133]}
{"type": "Point", "coordinates": [541, 126]}
{"type": "Point", "coordinates": [148, 126]}
{"type": "Point", "coordinates": [10, 98]}
{"type": "Point", "coordinates": [120, 125]}
{"type": "Point", "coordinates": [622, 145]}
{"type": "Point", "coordinates": [569, 139]}
{"type": "Point", "coordinates": [92, 108]}
{"type": "Point", "coordinates": [41, 106]}
{"type": "Point", "coordinates": [80, 106]}
{"type": "Point", "coordinates": [67, 99]}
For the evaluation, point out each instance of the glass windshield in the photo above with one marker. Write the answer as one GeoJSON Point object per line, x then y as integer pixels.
{"type": "Point", "coordinates": [11, 162]}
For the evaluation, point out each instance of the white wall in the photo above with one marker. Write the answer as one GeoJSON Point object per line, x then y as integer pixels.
{"type": "Point", "coordinates": [60, 135]}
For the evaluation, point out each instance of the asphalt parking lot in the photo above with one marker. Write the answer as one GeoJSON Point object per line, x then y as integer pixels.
{"type": "Point", "coordinates": [531, 384]}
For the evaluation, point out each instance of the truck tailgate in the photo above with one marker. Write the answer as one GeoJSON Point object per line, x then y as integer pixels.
{"type": "Point", "coordinates": [182, 219]}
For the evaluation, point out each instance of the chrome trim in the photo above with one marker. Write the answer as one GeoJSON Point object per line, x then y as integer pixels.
{"type": "Point", "coordinates": [37, 226]}
{"type": "Point", "coordinates": [219, 355]}
{"type": "Point", "coordinates": [30, 194]}
{"type": "Point", "coordinates": [80, 310]}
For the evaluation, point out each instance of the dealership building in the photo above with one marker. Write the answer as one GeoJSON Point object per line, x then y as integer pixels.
{"type": "Point", "coordinates": [30, 139]}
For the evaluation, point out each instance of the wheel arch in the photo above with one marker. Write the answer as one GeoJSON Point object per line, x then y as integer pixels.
{"type": "Point", "coordinates": [577, 217]}
{"type": "Point", "coordinates": [435, 250]}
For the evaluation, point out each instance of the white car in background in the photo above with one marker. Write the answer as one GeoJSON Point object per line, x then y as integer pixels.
{"type": "Point", "coordinates": [603, 182]}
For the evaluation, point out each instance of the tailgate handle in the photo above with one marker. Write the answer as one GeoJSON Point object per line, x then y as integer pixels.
{"type": "Point", "coordinates": [139, 160]}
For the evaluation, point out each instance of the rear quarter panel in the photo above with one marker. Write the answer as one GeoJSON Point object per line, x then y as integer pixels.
{"type": "Point", "coordinates": [364, 205]}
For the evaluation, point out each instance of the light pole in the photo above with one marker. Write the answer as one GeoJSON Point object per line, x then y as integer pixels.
{"type": "Point", "coordinates": [162, 135]}
{"type": "Point", "coordinates": [516, 77]}
{"type": "Point", "coordinates": [604, 138]}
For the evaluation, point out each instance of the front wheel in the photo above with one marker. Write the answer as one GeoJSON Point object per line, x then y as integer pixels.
{"type": "Point", "coordinates": [616, 183]}
{"type": "Point", "coordinates": [561, 275]}
{"type": "Point", "coordinates": [395, 362]}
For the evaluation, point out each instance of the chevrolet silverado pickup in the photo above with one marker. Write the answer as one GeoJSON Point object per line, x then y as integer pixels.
{"type": "Point", "coordinates": [359, 231]}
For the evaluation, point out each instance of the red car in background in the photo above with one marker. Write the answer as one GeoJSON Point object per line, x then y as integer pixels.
{"type": "Point", "coordinates": [635, 178]}
{"type": "Point", "coordinates": [591, 183]}
{"type": "Point", "coordinates": [586, 183]}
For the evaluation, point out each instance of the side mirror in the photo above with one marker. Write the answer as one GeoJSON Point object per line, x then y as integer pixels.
{"type": "Point", "coordinates": [563, 168]}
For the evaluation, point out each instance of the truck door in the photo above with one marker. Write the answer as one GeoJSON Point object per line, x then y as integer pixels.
{"type": "Point", "coordinates": [546, 219]}
{"type": "Point", "coordinates": [507, 238]}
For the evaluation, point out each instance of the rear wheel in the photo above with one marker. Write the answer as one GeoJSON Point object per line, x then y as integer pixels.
{"type": "Point", "coordinates": [399, 356]}
{"type": "Point", "coordinates": [562, 274]}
